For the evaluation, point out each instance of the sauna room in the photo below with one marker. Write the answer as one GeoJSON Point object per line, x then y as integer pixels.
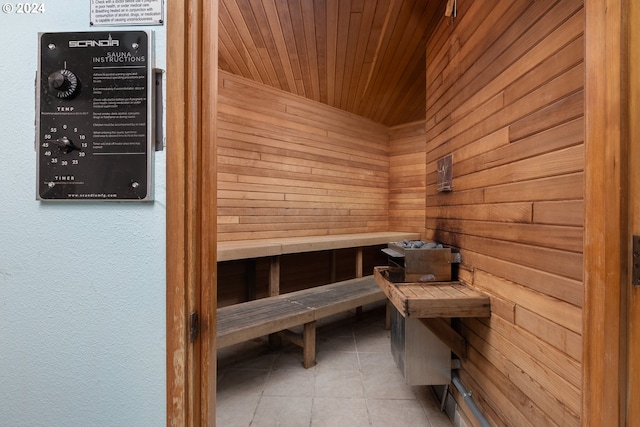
{"type": "Point", "coordinates": [316, 137]}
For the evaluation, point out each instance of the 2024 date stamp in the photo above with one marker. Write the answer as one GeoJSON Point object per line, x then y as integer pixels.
{"type": "Point", "coordinates": [23, 8]}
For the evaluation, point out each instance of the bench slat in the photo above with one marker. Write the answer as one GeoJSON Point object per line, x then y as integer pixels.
{"type": "Point", "coordinates": [253, 319]}
{"type": "Point", "coordinates": [243, 249]}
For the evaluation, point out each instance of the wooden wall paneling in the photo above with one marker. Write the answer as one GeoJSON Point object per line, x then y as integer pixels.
{"type": "Point", "coordinates": [561, 162]}
{"type": "Point", "coordinates": [553, 66]}
{"type": "Point", "coordinates": [561, 111]}
{"type": "Point", "coordinates": [533, 277]}
{"type": "Point", "coordinates": [552, 261]}
{"type": "Point", "coordinates": [497, 150]}
{"type": "Point", "coordinates": [475, 125]}
{"type": "Point", "coordinates": [560, 312]}
{"type": "Point", "coordinates": [548, 236]}
{"type": "Point", "coordinates": [518, 380]}
{"type": "Point", "coordinates": [481, 73]}
{"type": "Point", "coordinates": [521, 212]}
{"type": "Point", "coordinates": [407, 177]}
{"type": "Point", "coordinates": [566, 34]}
{"type": "Point", "coordinates": [465, 413]}
{"type": "Point", "coordinates": [484, 64]}
{"type": "Point", "coordinates": [502, 307]}
{"type": "Point", "coordinates": [445, 42]}
{"type": "Point", "coordinates": [562, 187]}
{"type": "Point", "coordinates": [570, 212]}
{"type": "Point", "coordinates": [468, 46]}
{"type": "Point", "coordinates": [561, 338]}
{"type": "Point", "coordinates": [489, 373]}
{"type": "Point", "coordinates": [557, 361]}
{"type": "Point", "coordinates": [511, 114]}
{"type": "Point", "coordinates": [290, 166]}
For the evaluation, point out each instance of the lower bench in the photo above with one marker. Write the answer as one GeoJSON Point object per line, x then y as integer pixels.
{"type": "Point", "coordinates": [248, 320]}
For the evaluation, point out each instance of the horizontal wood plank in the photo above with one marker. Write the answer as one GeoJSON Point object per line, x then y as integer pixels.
{"type": "Point", "coordinates": [255, 248]}
{"type": "Point", "coordinates": [248, 320]}
{"type": "Point", "coordinates": [434, 299]}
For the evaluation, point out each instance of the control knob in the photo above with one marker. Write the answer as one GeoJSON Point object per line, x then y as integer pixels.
{"type": "Point", "coordinates": [64, 83]}
{"type": "Point", "coordinates": [65, 145]}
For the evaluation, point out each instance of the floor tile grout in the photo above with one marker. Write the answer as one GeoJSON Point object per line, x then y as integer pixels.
{"type": "Point", "coordinates": [346, 387]}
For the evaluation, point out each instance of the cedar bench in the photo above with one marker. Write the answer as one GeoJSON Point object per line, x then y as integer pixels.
{"type": "Point", "coordinates": [248, 320]}
{"type": "Point", "coordinates": [276, 247]}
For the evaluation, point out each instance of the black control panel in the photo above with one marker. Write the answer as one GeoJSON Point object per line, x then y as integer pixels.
{"type": "Point", "coordinates": [94, 117]}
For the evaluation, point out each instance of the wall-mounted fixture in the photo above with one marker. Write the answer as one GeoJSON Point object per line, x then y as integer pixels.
{"type": "Point", "coordinates": [445, 174]}
{"type": "Point", "coordinates": [97, 120]}
{"type": "Point", "coordinates": [451, 11]}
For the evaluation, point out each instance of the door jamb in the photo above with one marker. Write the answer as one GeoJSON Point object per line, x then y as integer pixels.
{"type": "Point", "coordinates": [192, 70]}
{"type": "Point", "coordinates": [606, 213]}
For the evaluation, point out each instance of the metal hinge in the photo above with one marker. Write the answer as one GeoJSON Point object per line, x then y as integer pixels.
{"type": "Point", "coordinates": [194, 326]}
{"type": "Point", "coordinates": [635, 275]}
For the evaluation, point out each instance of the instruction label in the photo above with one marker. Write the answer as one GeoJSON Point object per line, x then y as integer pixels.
{"type": "Point", "coordinates": [126, 12]}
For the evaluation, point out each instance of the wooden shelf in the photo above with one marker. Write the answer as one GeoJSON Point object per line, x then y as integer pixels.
{"type": "Point", "coordinates": [433, 299]}
{"type": "Point", "coordinates": [244, 249]}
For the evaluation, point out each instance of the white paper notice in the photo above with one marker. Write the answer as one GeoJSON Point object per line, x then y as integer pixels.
{"type": "Point", "coordinates": [126, 12]}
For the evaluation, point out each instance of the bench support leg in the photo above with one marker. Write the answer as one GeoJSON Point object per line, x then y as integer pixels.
{"type": "Point", "coordinates": [387, 316]}
{"type": "Point", "coordinates": [275, 341]}
{"type": "Point", "coordinates": [309, 348]}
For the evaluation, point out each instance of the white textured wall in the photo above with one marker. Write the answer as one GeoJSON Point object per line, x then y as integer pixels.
{"type": "Point", "coordinates": [82, 286]}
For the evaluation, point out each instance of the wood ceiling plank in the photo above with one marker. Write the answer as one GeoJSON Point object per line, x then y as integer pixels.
{"type": "Point", "coordinates": [344, 10]}
{"type": "Point", "coordinates": [289, 38]}
{"type": "Point", "coordinates": [247, 41]}
{"type": "Point", "coordinates": [301, 34]}
{"type": "Point", "coordinates": [228, 36]}
{"type": "Point", "coordinates": [368, 97]}
{"type": "Point", "coordinates": [262, 40]}
{"type": "Point", "coordinates": [270, 43]}
{"type": "Point", "coordinates": [391, 62]}
{"type": "Point", "coordinates": [279, 39]}
{"type": "Point", "coordinates": [359, 74]}
{"type": "Point", "coordinates": [321, 24]}
{"type": "Point", "coordinates": [351, 66]}
{"type": "Point", "coordinates": [363, 56]}
{"type": "Point", "coordinates": [311, 37]}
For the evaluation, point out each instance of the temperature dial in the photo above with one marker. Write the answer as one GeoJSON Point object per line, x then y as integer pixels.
{"type": "Point", "coordinates": [64, 83]}
{"type": "Point", "coordinates": [65, 145]}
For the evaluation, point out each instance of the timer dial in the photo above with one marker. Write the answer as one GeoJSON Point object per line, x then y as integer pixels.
{"type": "Point", "coordinates": [64, 83]}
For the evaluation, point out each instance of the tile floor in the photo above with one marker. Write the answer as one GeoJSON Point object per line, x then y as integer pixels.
{"type": "Point", "coordinates": [354, 383]}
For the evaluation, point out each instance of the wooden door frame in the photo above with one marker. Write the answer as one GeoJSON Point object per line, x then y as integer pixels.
{"type": "Point", "coordinates": [607, 213]}
{"type": "Point", "coordinates": [191, 206]}
{"type": "Point", "coordinates": [633, 306]}
{"type": "Point", "coordinates": [192, 82]}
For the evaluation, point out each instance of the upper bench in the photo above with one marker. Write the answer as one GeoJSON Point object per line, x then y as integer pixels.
{"type": "Point", "coordinates": [243, 249]}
